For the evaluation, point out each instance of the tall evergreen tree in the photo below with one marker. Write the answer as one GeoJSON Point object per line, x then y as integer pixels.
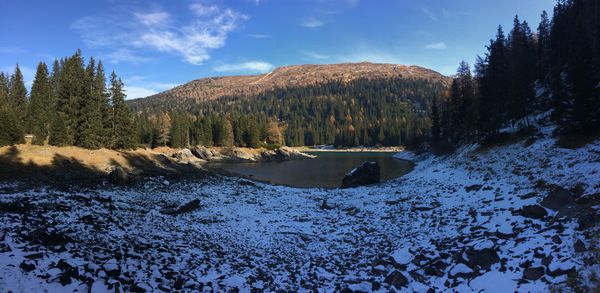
{"type": "Point", "coordinates": [70, 92]}
{"type": "Point", "coordinates": [90, 129]}
{"type": "Point", "coordinates": [123, 131]}
{"type": "Point", "coordinates": [40, 105]}
{"type": "Point", "coordinates": [17, 96]}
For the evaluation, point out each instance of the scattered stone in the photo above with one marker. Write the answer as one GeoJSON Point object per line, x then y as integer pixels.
{"type": "Point", "coordinates": [396, 279]}
{"type": "Point", "coordinates": [579, 246]}
{"type": "Point", "coordinates": [533, 211]}
{"type": "Point", "coordinates": [474, 187]}
{"type": "Point", "coordinates": [118, 175]}
{"type": "Point", "coordinates": [111, 267]}
{"type": "Point", "coordinates": [556, 239]}
{"type": "Point", "coordinates": [483, 258]}
{"type": "Point", "coordinates": [366, 173]}
{"type": "Point", "coordinates": [461, 271]}
{"type": "Point", "coordinates": [558, 199]}
{"type": "Point", "coordinates": [533, 273]}
{"type": "Point", "coordinates": [202, 153]}
{"type": "Point", "coordinates": [27, 265]}
{"type": "Point", "coordinates": [186, 208]}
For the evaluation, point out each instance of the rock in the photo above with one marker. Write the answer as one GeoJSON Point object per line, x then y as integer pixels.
{"type": "Point", "coordinates": [112, 269]}
{"type": "Point", "coordinates": [184, 156]}
{"type": "Point", "coordinates": [556, 239]}
{"type": "Point", "coordinates": [27, 265]}
{"type": "Point", "coordinates": [396, 279]}
{"type": "Point", "coordinates": [533, 273]}
{"type": "Point", "coordinates": [579, 246]}
{"type": "Point", "coordinates": [533, 211]}
{"type": "Point", "coordinates": [186, 208]}
{"type": "Point", "coordinates": [483, 258]}
{"type": "Point", "coordinates": [366, 173]}
{"type": "Point", "coordinates": [118, 176]}
{"type": "Point", "coordinates": [558, 199]}
{"type": "Point", "coordinates": [202, 153]}
{"type": "Point", "coordinates": [474, 187]}
{"type": "Point", "coordinates": [462, 271]}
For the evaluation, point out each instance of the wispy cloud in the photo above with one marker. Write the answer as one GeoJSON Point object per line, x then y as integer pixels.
{"type": "Point", "coordinates": [374, 56]}
{"type": "Point", "coordinates": [139, 87]}
{"type": "Point", "coordinates": [429, 14]}
{"type": "Point", "coordinates": [250, 66]}
{"type": "Point", "coordinates": [315, 55]}
{"type": "Point", "coordinates": [128, 32]}
{"type": "Point", "coordinates": [437, 46]}
{"type": "Point", "coordinates": [311, 22]}
{"type": "Point", "coordinates": [126, 55]}
{"type": "Point", "coordinates": [259, 36]}
{"type": "Point", "coordinates": [9, 49]}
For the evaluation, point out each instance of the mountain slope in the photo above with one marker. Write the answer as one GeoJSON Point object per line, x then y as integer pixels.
{"type": "Point", "coordinates": [213, 88]}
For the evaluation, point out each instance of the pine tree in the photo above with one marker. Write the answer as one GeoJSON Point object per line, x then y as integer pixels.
{"type": "Point", "coordinates": [90, 129]}
{"type": "Point", "coordinates": [123, 132]}
{"type": "Point", "coordinates": [543, 47]}
{"type": "Point", "coordinates": [40, 105]}
{"type": "Point", "coordinates": [70, 91]}
{"type": "Point", "coordinates": [17, 96]}
{"type": "Point", "coordinates": [58, 132]}
{"type": "Point", "coordinates": [435, 123]}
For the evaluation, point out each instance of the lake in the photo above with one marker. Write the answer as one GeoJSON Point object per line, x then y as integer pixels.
{"type": "Point", "coordinates": [326, 170]}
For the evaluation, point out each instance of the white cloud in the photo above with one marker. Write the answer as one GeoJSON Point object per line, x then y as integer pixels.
{"type": "Point", "coordinates": [251, 66]}
{"type": "Point", "coordinates": [437, 46]}
{"type": "Point", "coordinates": [128, 32]}
{"type": "Point", "coordinates": [315, 55]}
{"type": "Point", "coordinates": [138, 87]}
{"type": "Point", "coordinates": [311, 22]}
{"type": "Point", "coordinates": [370, 56]}
{"type": "Point", "coordinates": [429, 14]}
{"type": "Point", "coordinates": [259, 36]}
{"type": "Point", "coordinates": [126, 55]}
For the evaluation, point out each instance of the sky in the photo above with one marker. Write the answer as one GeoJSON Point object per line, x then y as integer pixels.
{"type": "Point", "coordinates": [156, 45]}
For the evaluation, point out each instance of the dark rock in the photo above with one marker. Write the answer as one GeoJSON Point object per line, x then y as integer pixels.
{"type": "Point", "coordinates": [137, 288]}
{"type": "Point", "coordinates": [118, 176]}
{"type": "Point", "coordinates": [533, 211]}
{"type": "Point", "coordinates": [484, 258]}
{"type": "Point", "coordinates": [366, 173]}
{"type": "Point", "coordinates": [34, 255]}
{"type": "Point", "coordinates": [47, 238]}
{"type": "Point", "coordinates": [64, 279]}
{"type": "Point", "coordinates": [186, 208]}
{"type": "Point", "coordinates": [558, 199]}
{"type": "Point", "coordinates": [588, 220]}
{"type": "Point", "coordinates": [579, 246]}
{"type": "Point", "coordinates": [396, 279]}
{"type": "Point", "coordinates": [556, 239]}
{"type": "Point", "coordinates": [533, 273]}
{"type": "Point", "coordinates": [474, 187]}
{"type": "Point", "coordinates": [201, 153]}
{"type": "Point", "coordinates": [27, 265]}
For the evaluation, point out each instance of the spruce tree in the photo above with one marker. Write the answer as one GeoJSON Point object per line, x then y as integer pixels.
{"type": "Point", "coordinates": [40, 105]}
{"type": "Point", "coordinates": [17, 96]}
{"type": "Point", "coordinates": [123, 131]}
{"type": "Point", "coordinates": [70, 92]}
{"type": "Point", "coordinates": [90, 129]}
{"type": "Point", "coordinates": [435, 123]}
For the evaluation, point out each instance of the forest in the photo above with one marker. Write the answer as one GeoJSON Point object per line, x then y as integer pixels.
{"type": "Point", "coordinates": [364, 112]}
{"type": "Point", "coordinates": [71, 105]}
{"type": "Point", "coordinates": [525, 73]}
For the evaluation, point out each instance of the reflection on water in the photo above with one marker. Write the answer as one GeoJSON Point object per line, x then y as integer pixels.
{"type": "Point", "coordinates": [327, 170]}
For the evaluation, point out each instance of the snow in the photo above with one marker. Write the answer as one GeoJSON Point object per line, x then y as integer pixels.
{"type": "Point", "coordinates": [277, 238]}
{"type": "Point", "coordinates": [402, 256]}
{"type": "Point", "coordinates": [460, 269]}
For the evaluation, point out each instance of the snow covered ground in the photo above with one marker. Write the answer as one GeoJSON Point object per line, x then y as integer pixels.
{"type": "Point", "coordinates": [455, 223]}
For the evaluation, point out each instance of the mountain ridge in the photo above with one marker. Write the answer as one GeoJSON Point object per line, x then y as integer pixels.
{"type": "Point", "coordinates": [213, 88]}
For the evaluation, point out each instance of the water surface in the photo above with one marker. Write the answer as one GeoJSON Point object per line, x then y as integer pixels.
{"type": "Point", "coordinates": [326, 170]}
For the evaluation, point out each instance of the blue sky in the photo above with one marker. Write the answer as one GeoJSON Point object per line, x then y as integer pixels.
{"type": "Point", "coordinates": [155, 45]}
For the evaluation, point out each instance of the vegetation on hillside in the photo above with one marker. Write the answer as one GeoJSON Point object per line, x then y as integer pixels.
{"type": "Point", "coordinates": [522, 74]}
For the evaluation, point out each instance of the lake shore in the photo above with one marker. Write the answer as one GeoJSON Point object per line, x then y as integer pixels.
{"type": "Point", "coordinates": [392, 149]}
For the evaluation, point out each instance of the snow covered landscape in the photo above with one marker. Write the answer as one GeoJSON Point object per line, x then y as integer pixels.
{"type": "Point", "coordinates": [518, 217]}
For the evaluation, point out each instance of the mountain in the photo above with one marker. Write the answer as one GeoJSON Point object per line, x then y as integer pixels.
{"type": "Point", "coordinates": [213, 88]}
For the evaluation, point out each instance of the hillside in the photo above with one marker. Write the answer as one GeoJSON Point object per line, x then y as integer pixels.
{"type": "Point", "coordinates": [213, 88]}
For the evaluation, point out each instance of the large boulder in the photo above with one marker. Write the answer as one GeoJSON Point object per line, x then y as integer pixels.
{"type": "Point", "coordinates": [533, 211]}
{"type": "Point", "coordinates": [558, 199]}
{"type": "Point", "coordinates": [118, 175]}
{"type": "Point", "coordinates": [184, 156]}
{"type": "Point", "coordinates": [201, 152]}
{"type": "Point", "coordinates": [366, 173]}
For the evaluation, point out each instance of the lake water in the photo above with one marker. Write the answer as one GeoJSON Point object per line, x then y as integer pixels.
{"type": "Point", "coordinates": [326, 170]}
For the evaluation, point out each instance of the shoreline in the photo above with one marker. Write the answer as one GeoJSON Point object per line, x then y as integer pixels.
{"type": "Point", "coordinates": [398, 149]}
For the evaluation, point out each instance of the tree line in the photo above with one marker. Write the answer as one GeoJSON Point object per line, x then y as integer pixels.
{"type": "Point", "coordinates": [557, 68]}
{"type": "Point", "coordinates": [69, 105]}
{"type": "Point", "coordinates": [361, 112]}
